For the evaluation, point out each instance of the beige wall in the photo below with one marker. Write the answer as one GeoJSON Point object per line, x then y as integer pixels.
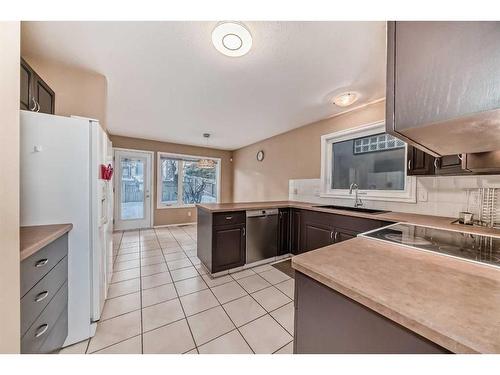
{"type": "Point", "coordinates": [291, 155]}
{"type": "Point", "coordinates": [78, 92]}
{"type": "Point", "coordinates": [9, 188]}
{"type": "Point", "coordinates": [165, 216]}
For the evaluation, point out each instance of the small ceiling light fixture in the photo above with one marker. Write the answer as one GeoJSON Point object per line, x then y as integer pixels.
{"type": "Point", "coordinates": [345, 99]}
{"type": "Point", "coordinates": [232, 39]}
{"type": "Point", "coordinates": [206, 163]}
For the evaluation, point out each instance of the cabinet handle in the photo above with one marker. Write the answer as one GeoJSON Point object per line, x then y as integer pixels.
{"type": "Point", "coordinates": [409, 165]}
{"type": "Point", "coordinates": [37, 106]}
{"type": "Point", "coordinates": [244, 231]}
{"type": "Point", "coordinates": [34, 104]}
{"type": "Point", "coordinates": [41, 296]}
{"type": "Point", "coordinates": [335, 237]}
{"type": "Point", "coordinates": [460, 157]}
{"type": "Point", "coordinates": [41, 330]}
{"type": "Point", "coordinates": [41, 263]}
{"type": "Point", "coordinates": [229, 217]}
{"type": "Point", "coordinates": [436, 163]}
{"type": "Point", "coordinates": [331, 235]}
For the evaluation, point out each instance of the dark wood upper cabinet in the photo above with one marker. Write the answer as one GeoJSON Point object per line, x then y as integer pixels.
{"type": "Point", "coordinates": [419, 163]}
{"type": "Point", "coordinates": [284, 231]}
{"type": "Point", "coordinates": [36, 95]}
{"type": "Point", "coordinates": [443, 85]}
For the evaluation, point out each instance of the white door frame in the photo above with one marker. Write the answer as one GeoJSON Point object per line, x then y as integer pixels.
{"type": "Point", "coordinates": [118, 223]}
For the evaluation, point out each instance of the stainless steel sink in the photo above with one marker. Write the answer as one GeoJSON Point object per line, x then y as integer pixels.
{"type": "Point", "coordinates": [354, 209]}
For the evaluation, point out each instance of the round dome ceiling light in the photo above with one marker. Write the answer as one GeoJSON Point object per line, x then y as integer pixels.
{"type": "Point", "coordinates": [232, 39]}
{"type": "Point", "coordinates": [345, 99]}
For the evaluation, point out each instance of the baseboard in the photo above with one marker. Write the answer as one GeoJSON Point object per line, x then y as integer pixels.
{"type": "Point", "coordinates": [173, 225]}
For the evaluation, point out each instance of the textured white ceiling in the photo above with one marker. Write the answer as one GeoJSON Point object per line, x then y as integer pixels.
{"type": "Point", "coordinates": [167, 82]}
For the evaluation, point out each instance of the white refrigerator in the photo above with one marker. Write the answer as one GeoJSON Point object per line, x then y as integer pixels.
{"type": "Point", "coordinates": [61, 182]}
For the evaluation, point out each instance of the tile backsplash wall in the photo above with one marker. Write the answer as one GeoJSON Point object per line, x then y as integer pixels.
{"type": "Point", "coordinates": [439, 196]}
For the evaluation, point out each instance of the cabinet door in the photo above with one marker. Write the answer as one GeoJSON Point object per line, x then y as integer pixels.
{"type": "Point", "coordinates": [44, 96]}
{"type": "Point", "coordinates": [228, 247]}
{"type": "Point", "coordinates": [451, 165]}
{"type": "Point", "coordinates": [419, 163]}
{"type": "Point", "coordinates": [295, 227]}
{"type": "Point", "coordinates": [344, 234]}
{"type": "Point", "coordinates": [26, 87]}
{"type": "Point", "coordinates": [284, 232]}
{"type": "Point", "coordinates": [316, 235]}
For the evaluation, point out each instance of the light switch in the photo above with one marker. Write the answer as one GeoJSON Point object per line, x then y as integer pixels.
{"type": "Point", "coordinates": [38, 148]}
{"type": "Point", "coordinates": [422, 195]}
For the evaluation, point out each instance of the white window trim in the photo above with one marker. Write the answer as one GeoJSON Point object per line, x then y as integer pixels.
{"type": "Point", "coordinates": [407, 195]}
{"type": "Point", "coordinates": [159, 204]}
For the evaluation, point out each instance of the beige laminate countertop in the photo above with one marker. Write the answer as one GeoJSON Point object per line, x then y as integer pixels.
{"type": "Point", "coordinates": [440, 222]}
{"type": "Point", "coordinates": [453, 303]}
{"type": "Point", "coordinates": [34, 238]}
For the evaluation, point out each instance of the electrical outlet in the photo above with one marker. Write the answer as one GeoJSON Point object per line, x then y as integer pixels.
{"type": "Point", "coordinates": [189, 213]}
{"type": "Point", "coordinates": [295, 191]}
{"type": "Point", "coordinates": [422, 195]}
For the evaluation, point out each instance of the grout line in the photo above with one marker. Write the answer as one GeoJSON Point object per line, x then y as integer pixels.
{"type": "Point", "coordinates": [178, 297]}
{"type": "Point", "coordinates": [140, 291]}
{"type": "Point", "coordinates": [109, 346]}
{"type": "Point", "coordinates": [277, 350]}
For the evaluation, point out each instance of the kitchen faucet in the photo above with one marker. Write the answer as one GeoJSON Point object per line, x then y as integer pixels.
{"type": "Point", "coordinates": [357, 201]}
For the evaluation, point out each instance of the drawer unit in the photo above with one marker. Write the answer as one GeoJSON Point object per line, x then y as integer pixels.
{"type": "Point", "coordinates": [229, 218]}
{"type": "Point", "coordinates": [39, 264]}
{"type": "Point", "coordinates": [44, 298]}
{"type": "Point", "coordinates": [33, 302]}
{"type": "Point", "coordinates": [48, 326]}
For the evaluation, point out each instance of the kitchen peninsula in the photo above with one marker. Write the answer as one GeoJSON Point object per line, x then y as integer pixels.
{"type": "Point", "coordinates": [420, 302]}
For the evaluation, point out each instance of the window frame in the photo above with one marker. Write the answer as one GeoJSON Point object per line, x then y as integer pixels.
{"type": "Point", "coordinates": [182, 157]}
{"type": "Point", "coordinates": [409, 194]}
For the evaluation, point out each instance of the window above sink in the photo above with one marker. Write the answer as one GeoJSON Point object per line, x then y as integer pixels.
{"type": "Point", "coordinates": [374, 160]}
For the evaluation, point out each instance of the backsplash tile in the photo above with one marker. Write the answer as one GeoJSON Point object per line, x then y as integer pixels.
{"type": "Point", "coordinates": [446, 195]}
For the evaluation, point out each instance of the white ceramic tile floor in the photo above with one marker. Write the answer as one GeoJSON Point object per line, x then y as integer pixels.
{"type": "Point", "coordinates": [162, 300]}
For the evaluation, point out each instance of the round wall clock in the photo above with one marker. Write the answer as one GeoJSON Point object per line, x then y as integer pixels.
{"type": "Point", "coordinates": [260, 155]}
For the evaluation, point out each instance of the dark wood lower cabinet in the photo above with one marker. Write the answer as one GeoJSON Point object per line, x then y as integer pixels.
{"type": "Point", "coordinates": [284, 231]}
{"type": "Point", "coordinates": [222, 238]}
{"type": "Point", "coordinates": [295, 222]}
{"type": "Point", "coordinates": [327, 322]}
{"type": "Point", "coordinates": [229, 247]}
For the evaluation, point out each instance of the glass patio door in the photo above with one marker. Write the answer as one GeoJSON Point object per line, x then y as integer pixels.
{"type": "Point", "coordinates": [132, 190]}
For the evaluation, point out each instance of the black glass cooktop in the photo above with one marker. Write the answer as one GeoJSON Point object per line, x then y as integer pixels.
{"type": "Point", "coordinates": [471, 247]}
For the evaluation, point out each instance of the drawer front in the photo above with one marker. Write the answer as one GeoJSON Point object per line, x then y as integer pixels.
{"type": "Point", "coordinates": [57, 336]}
{"type": "Point", "coordinates": [42, 293]}
{"type": "Point", "coordinates": [34, 268]}
{"type": "Point", "coordinates": [229, 218]}
{"type": "Point", "coordinates": [42, 328]}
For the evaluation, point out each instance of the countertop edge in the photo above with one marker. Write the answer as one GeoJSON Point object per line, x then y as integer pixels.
{"type": "Point", "coordinates": [54, 231]}
{"type": "Point", "coordinates": [411, 324]}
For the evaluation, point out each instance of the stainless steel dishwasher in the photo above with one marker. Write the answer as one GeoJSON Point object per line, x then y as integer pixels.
{"type": "Point", "coordinates": [262, 234]}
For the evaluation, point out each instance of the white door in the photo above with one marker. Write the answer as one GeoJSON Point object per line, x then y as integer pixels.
{"type": "Point", "coordinates": [132, 189]}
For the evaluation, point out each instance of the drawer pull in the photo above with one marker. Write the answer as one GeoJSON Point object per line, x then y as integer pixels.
{"type": "Point", "coordinates": [41, 296]}
{"type": "Point", "coordinates": [41, 330]}
{"type": "Point", "coordinates": [229, 217]}
{"type": "Point", "coordinates": [41, 263]}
